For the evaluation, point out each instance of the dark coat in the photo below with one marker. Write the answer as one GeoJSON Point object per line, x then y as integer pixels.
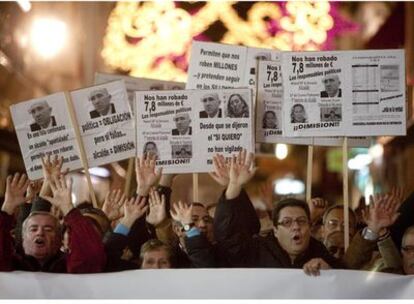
{"type": "Point", "coordinates": [87, 252]}
{"type": "Point", "coordinates": [203, 114]}
{"type": "Point", "coordinates": [176, 132]}
{"type": "Point", "coordinates": [244, 249]}
{"type": "Point", "coordinates": [36, 127]}
{"type": "Point", "coordinates": [324, 94]}
{"type": "Point", "coordinates": [95, 114]}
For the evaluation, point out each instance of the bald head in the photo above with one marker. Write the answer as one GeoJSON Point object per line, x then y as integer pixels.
{"type": "Point", "coordinates": [182, 122]}
{"type": "Point", "coordinates": [211, 103]}
{"type": "Point", "coordinates": [41, 113]}
{"type": "Point", "coordinates": [332, 84]}
{"type": "Point", "coordinates": [101, 101]}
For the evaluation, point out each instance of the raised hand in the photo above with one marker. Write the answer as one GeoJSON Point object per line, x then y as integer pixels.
{"type": "Point", "coordinates": [134, 208]}
{"type": "Point", "coordinates": [241, 170]}
{"type": "Point", "coordinates": [52, 168]}
{"type": "Point", "coordinates": [221, 170]}
{"type": "Point", "coordinates": [157, 212]}
{"type": "Point", "coordinates": [112, 206]}
{"type": "Point", "coordinates": [313, 266]}
{"type": "Point", "coordinates": [62, 194]}
{"type": "Point", "coordinates": [16, 186]}
{"type": "Point", "coordinates": [398, 192]}
{"type": "Point", "coordinates": [181, 212]}
{"type": "Point", "coordinates": [382, 212]}
{"type": "Point", "coordinates": [317, 207]}
{"type": "Point", "coordinates": [147, 176]}
{"type": "Point", "coordinates": [33, 189]}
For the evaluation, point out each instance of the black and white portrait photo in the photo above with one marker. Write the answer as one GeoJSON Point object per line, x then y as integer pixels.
{"type": "Point", "coordinates": [42, 116]}
{"type": "Point", "coordinates": [101, 101]}
{"type": "Point", "coordinates": [211, 103]}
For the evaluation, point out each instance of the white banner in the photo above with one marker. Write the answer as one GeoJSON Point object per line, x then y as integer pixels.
{"type": "Point", "coordinates": [207, 284]}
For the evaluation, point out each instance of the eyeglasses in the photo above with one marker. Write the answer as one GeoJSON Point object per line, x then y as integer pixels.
{"type": "Point", "coordinates": [332, 224]}
{"type": "Point", "coordinates": [408, 249]}
{"type": "Point", "coordinates": [287, 221]}
{"type": "Point", "coordinates": [335, 249]}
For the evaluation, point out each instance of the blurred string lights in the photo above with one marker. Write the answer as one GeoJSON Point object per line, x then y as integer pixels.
{"type": "Point", "coordinates": [152, 39]}
{"type": "Point", "coordinates": [46, 36]}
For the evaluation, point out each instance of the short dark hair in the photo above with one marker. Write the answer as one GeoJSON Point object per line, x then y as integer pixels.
{"type": "Point", "coordinates": [327, 211]}
{"type": "Point", "coordinates": [289, 202]}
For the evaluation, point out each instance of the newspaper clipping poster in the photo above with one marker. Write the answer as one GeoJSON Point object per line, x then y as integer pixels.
{"type": "Point", "coordinates": [269, 114]}
{"type": "Point", "coordinates": [313, 93]}
{"type": "Point", "coordinates": [378, 92]}
{"type": "Point", "coordinates": [185, 129]}
{"type": "Point", "coordinates": [346, 93]}
{"type": "Point", "coordinates": [105, 122]}
{"type": "Point", "coordinates": [253, 58]}
{"type": "Point", "coordinates": [216, 66]}
{"type": "Point", "coordinates": [43, 128]}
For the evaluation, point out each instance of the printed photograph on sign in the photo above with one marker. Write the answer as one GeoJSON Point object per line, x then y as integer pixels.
{"type": "Point", "coordinates": [43, 128]}
{"type": "Point", "coordinates": [212, 106]}
{"type": "Point", "coordinates": [236, 106]}
{"type": "Point", "coordinates": [106, 123]}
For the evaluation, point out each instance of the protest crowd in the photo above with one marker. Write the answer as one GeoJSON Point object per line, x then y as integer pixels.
{"type": "Point", "coordinates": [41, 229]}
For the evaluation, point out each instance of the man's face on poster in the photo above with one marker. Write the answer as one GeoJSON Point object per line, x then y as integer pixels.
{"type": "Point", "coordinates": [41, 113]}
{"type": "Point", "coordinates": [332, 84]}
{"type": "Point", "coordinates": [182, 122]}
{"type": "Point", "coordinates": [211, 104]}
{"type": "Point", "coordinates": [101, 101]}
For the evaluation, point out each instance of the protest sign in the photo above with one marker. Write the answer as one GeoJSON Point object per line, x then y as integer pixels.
{"type": "Point", "coordinates": [216, 66]}
{"type": "Point", "coordinates": [133, 84]}
{"type": "Point", "coordinates": [344, 93]}
{"type": "Point", "coordinates": [184, 129]}
{"type": "Point", "coordinates": [43, 128]}
{"type": "Point", "coordinates": [105, 121]}
{"type": "Point", "coordinates": [253, 58]}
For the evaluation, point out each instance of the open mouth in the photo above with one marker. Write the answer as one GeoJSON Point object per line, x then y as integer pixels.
{"type": "Point", "coordinates": [40, 242]}
{"type": "Point", "coordinates": [296, 238]}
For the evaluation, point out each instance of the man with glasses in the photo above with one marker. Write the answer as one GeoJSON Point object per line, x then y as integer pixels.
{"type": "Point", "coordinates": [211, 103]}
{"type": "Point", "coordinates": [290, 246]}
{"type": "Point", "coordinates": [101, 101]}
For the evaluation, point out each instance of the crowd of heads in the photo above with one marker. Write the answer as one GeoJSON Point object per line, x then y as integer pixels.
{"type": "Point", "coordinates": [296, 225]}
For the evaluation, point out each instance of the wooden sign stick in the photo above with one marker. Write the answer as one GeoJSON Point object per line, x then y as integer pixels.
{"type": "Point", "coordinates": [83, 157]}
{"type": "Point", "coordinates": [345, 190]}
